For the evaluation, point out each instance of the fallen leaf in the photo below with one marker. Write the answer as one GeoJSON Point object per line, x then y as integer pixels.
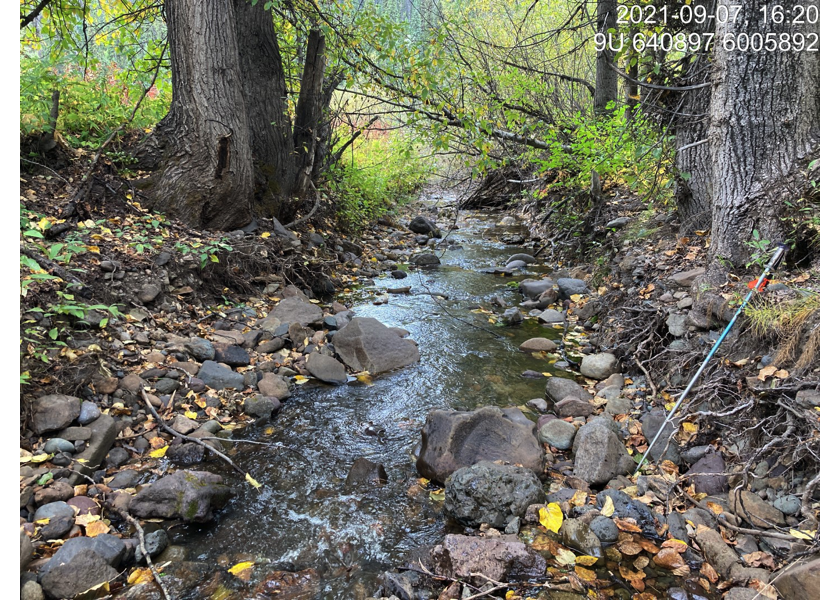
{"type": "Point", "coordinates": [564, 557]}
{"type": "Point", "coordinates": [766, 372]}
{"type": "Point", "coordinates": [551, 517]}
{"type": "Point", "coordinates": [629, 548]}
{"type": "Point", "coordinates": [585, 560]}
{"type": "Point", "coordinates": [648, 545]}
{"type": "Point", "coordinates": [759, 559]}
{"type": "Point", "coordinates": [157, 442]}
{"type": "Point", "coordinates": [580, 498]}
{"type": "Point", "coordinates": [87, 519]}
{"type": "Point", "coordinates": [190, 414]}
{"type": "Point", "coordinates": [627, 525]}
{"type": "Point", "coordinates": [609, 507]}
{"type": "Point", "coordinates": [678, 545]}
{"type": "Point", "coordinates": [715, 508]}
{"type": "Point", "coordinates": [252, 481]}
{"type": "Point", "coordinates": [242, 570]}
{"type": "Point", "coordinates": [96, 528]}
{"type": "Point", "coordinates": [140, 576]}
{"type": "Point", "coordinates": [689, 427]}
{"type": "Point", "coordinates": [159, 453]}
{"type": "Point", "coordinates": [437, 495]}
{"type": "Point", "coordinates": [669, 558]}
{"type": "Point", "coordinates": [585, 574]}
{"type": "Point", "coordinates": [764, 589]}
{"type": "Point", "coordinates": [641, 562]}
{"type": "Point", "coordinates": [782, 374]}
{"type": "Point", "coordinates": [805, 534]}
{"type": "Point", "coordinates": [708, 571]}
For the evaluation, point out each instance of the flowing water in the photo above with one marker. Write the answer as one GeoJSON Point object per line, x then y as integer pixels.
{"type": "Point", "coordinates": [304, 516]}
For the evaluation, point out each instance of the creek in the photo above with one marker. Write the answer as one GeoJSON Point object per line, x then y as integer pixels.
{"type": "Point", "coordinates": [304, 516]}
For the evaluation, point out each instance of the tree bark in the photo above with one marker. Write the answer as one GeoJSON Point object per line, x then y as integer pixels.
{"type": "Point", "coordinates": [764, 123]}
{"type": "Point", "coordinates": [264, 87]}
{"type": "Point", "coordinates": [309, 109]}
{"type": "Point", "coordinates": [606, 80]}
{"type": "Point", "coordinates": [206, 176]}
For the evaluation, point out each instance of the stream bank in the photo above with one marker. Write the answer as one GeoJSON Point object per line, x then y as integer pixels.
{"type": "Point", "coordinates": [307, 532]}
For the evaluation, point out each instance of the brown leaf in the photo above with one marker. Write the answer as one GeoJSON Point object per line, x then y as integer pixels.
{"type": "Point", "coordinates": [648, 545]}
{"type": "Point", "coordinates": [764, 589]}
{"type": "Point", "coordinates": [766, 372]}
{"type": "Point", "coordinates": [669, 558]}
{"type": "Point", "coordinates": [96, 528]}
{"type": "Point", "coordinates": [629, 548]}
{"type": "Point", "coordinates": [759, 559]}
{"type": "Point", "coordinates": [627, 525]}
{"type": "Point", "coordinates": [586, 574]}
{"type": "Point", "coordinates": [678, 545]}
{"type": "Point", "coordinates": [641, 562]}
{"type": "Point", "coordinates": [708, 571]}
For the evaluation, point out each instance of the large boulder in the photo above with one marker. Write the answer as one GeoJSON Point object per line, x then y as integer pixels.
{"type": "Point", "coordinates": [423, 226]}
{"type": "Point", "coordinates": [455, 439]}
{"type": "Point", "coordinates": [532, 288]}
{"type": "Point", "coordinates": [599, 455]}
{"type": "Point", "coordinates": [560, 388]}
{"type": "Point", "coordinates": [491, 493]}
{"type": "Point", "coordinates": [598, 366]}
{"type": "Point", "coordinates": [84, 571]}
{"type": "Point", "coordinates": [502, 558]}
{"type": "Point", "coordinates": [54, 412]}
{"type": "Point", "coordinates": [800, 581]}
{"type": "Point", "coordinates": [103, 434]}
{"type": "Point", "coordinates": [326, 368]}
{"type": "Point", "coordinates": [189, 495]}
{"type": "Point", "coordinates": [709, 474]}
{"type": "Point", "coordinates": [569, 286]}
{"type": "Point", "coordinates": [219, 376]}
{"type": "Point", "coordinates": [296, 310]}
{"type": "Point", "coordinates": [109, 547]}
{"type": "Point", "coordinates": [365, 344]}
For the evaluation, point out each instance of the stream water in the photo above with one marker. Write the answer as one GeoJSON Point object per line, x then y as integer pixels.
{"type": "Point", "coordinates": [304, 516]}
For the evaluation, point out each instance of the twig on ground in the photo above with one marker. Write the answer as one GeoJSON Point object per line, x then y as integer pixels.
{"type": "Point", "coordinates": [171, 431]}
{"type": "Point", "coordinates": [142, 537]}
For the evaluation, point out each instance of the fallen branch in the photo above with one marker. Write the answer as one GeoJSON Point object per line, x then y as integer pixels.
{"type": "Point", "coordinates": [50, 266]}
{"type": "Point", "coordinates": [171, 431]}
{"type": "Point", "coordinates": [142, 537]}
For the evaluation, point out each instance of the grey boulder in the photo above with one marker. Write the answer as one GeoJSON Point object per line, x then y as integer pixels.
{"type": "Point", "coordinates": [54, 412]}
{"type": "Point", "coordinates": [365, 344]}
{"type": "Point", "coordinates": [600, 456]}
{"type": "Point", "coordinates": [452, 439]}
{"type": "Point", "coordinates": [219, 376]}
{"type": "Point", "coordinates": [326, 368]}
{"type": "Point", "coordinates": [296, 310]}
{"type": "Point", "coordinates": [491, 493]}
{"type": "Point", "coordinates": [598, 366]}
{"type": "Point", "coordinates": [84, 571]}
{"type": "Point", "coordinates": [569, 286]}
{"type": "Point", "coordinates": [189, 495]}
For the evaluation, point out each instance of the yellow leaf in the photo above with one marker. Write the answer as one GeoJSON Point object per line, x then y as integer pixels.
{"type": "Point", "coordinates": [300, 379]}
{"type": "Point", "coordinates": [437, 495]}
{"type": "Point", "coordinates": [580, 498]}
{"type": "Point", "coordinates": [252, 481]}
{"type": "Point", "coordinates": [715, 508]}
{"type": "Point", "coordinates": [87, 519]}
{"type": "Point", "coordinates": [585, 574]}
{"type": "Point", "coordinates": [96, 528]}
{"type": "Point", "coordinates": [240, 567]}
{"type": "Point", "coordinates": [268, 430]}
{"type": "Point", "coordinates": [551, 517]}
{"type": "Point", "coordinates": [689, 427]}
{"type": "Point", "coordinates": [782, 374]}
{"type": "Point", "coordinates": [39, 458]}
{"type": "Point", "coordinates": [670, 405]}
{"type": "Point", "coordinates": [548, 374]}
{"type": "Point", "coordinates": [94, 249]}
{"type": "Point", "coordinates": [575, 297]}
{"type": "Point", "coordinates": [607, 511]}
{"type": "Point", "coordinates": [190, 414]}
{"type": "Point", "coordinates": [365, 378]}
{"type": "Point", "coordinates": [564, 557]}
{"type": "Point", "coordinates": [805, 534]}
{"type": "Point", "coordinates": [265, 234]}
{"type": "Point", "coordinates": [586, 560]}
{"type": "Point", "coordinates": [139, 576]}
{"type": "Point", "coordinates": [159, 453]}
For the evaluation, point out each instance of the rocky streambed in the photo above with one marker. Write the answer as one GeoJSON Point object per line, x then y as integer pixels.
{"type": "Point", "coordinates": [453, 435]}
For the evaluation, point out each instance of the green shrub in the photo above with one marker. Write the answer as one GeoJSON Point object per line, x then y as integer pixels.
{"type": "Point", "coordinates": [378, 173]}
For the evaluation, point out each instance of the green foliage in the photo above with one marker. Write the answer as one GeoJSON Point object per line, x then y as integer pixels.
{"type": "Point", "coordinates": [762, 250]}
{"type": "Point", "coordinates": [376, 174]}
{"type": "Point", "coordinates": [206, 252]}
{"type": "Point", "coordinates": [91, 105]}
{"type": "Point", "coordinates": [631, 152]}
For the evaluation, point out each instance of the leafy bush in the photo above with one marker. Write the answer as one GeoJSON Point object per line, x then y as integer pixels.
{"type": "Point", "coordinates": [91, 105]}
{"type": "Point", "coordinates": [632, 152]}
{"type": "Point", "coordinates": [376, 174]}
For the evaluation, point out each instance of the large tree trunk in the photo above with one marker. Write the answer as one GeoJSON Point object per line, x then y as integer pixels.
{"type": "Point", "coordinates": [310, 109]}
{"type": "Point", "coordinates": [205, 176]}
{"type": "Point", "coordinates": [606, 79]}
{"type": "Point", "coordinates": [264, 86]}
{"type": "Point", "coordinates": [764, 122]}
